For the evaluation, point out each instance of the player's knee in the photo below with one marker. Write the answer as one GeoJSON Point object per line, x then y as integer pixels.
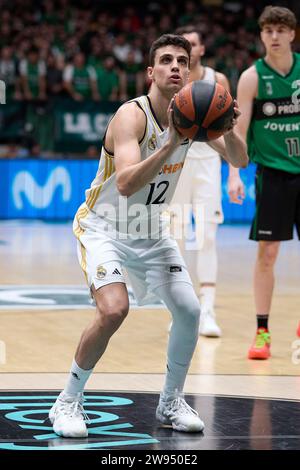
{"type": "Point", "coordinates": [267, 256]}
{"type": "Point", "coordinates": [190, 309]}
{"type": "Point", "coordinates": [110, 316]}
{"type": "Point", "coordinates": [209, 237]}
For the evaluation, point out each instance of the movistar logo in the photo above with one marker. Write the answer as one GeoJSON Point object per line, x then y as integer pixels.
{"type": "Point", "coordinates": [40, 196]}
{"type": "Point", "coordinates": [30, 414]}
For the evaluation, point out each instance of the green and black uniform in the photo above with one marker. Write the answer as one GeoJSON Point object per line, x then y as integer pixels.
{"type": "Point", "coordinates": [274, 145]}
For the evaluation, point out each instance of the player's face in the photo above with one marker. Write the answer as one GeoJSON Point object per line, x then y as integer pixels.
{"type": "Point", "coordinates": [277, 38]}
{"type": "Point", "coordinates": [198, 48]}
{"type": "Point", "coordinates": [171, 69]}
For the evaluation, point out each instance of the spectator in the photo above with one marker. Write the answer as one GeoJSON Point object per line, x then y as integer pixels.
{"type": "Point", "coordinates": [55, 67]}
{"type": "Point", "coordinates": [8, 73]}
{"type": "Point", "coordinates": [132, 78]}
{"type": "Point", "coordinates": [80, 80]}
{"type": "Point", "coordinates": [33, 76]}
{"type": "Point", "coordinates": [108, 79]}
{"type": "Point", "coordinates": [121, 48]}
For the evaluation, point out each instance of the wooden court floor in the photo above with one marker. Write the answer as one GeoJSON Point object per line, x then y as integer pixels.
{"type": "Point", "coordinates": [39, 345]}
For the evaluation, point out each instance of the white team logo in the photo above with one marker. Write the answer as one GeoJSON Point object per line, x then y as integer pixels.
{"type": "Point", "coordinates": [269, 109]}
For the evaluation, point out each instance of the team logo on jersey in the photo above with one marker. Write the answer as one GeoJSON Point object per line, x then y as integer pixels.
{"type": "Point", "coordinates": [101, 272]}
{"type": "Point", "coordinates": [269, 109]}
{"type": "Point", "coordinates": [152, 142]}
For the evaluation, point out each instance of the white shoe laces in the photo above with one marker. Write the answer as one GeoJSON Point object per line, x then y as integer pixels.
{"type": "Point", "coordinates": [180, 407]}
{"type": "Point", "coordinates": [73, 409]}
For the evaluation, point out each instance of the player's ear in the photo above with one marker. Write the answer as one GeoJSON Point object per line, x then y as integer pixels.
{"type": "Point", "coordinates": [202, 50]}
{"type": "Point", "coordinates": [150, 73]}
{"type": "Point", "coordinates": [293, 34]}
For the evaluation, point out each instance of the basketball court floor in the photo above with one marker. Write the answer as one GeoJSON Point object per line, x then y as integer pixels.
{"type": "Point", "coordinates": [44, 307]}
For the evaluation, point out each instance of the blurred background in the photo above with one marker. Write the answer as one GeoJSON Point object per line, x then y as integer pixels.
{"type": "Point", "coordinates": [68, 65]}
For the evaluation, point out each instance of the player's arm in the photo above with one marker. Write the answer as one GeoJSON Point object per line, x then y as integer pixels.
{"type": "Point", "coordinates": [236, 189]}
{"type": "Point", "coordinates": [132, 173]}
{"type": "Point", "coordinates": [246, 93]}
{"type": "Point", "coordinates": [231, 145]}
{"type": "Point", "coordinates": [223, 80]}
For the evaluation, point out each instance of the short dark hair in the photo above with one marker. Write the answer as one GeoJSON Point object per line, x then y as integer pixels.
{"type": "Point", "coordinates": [277, 15]}
{"type": "Point", "coordinates": [188, 29]}
{"type": "Point", "coordinates": [169, 40]}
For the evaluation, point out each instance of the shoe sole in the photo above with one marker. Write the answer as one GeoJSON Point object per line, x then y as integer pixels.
{"type": "Point", "coordinates": [210, 335]}
{"type": "Point", "coordinates": [51, 418]}
{"type": "Point", "coordinates": [168, 424]}
{"type": "Point", "coordinates": [181, 428]}
{"type": "Point", "coordinates": [258, 356]}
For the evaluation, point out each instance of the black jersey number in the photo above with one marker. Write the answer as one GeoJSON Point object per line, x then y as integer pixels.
{"type": "Point", "coordinates": [293, 146]}
{"type": "Point", "coordinates": [158, 200]}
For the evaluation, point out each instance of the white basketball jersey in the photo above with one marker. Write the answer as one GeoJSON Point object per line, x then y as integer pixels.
{"type": "Point", "coordinates": [103, 197]}
{"type": "Point", "coordinates": [201, 149]}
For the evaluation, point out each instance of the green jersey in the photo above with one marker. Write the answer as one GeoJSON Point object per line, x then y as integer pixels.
{"type": "Point", "coordinates": [274, 133]}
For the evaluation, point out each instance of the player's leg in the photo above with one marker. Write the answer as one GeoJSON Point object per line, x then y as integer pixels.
{"type": "Point", "coordinates": [207, 263]}
{"type": "Point", "coordinates": [273, 222]}
{"type": "Point", "coordinates": [297, 223]}
{"type": "Point", "coordinates": [207, 197]}
{"type": "Point", "coordinates": [112, 306]}
{"type": "Point", "coordinates": [181, 204]}
{"type": "Point", "coordinates": [107, 285]}
{"type": "Point", "coordinates": [181, 300]}
{"type": "Point", "coordinates": [263, 291]}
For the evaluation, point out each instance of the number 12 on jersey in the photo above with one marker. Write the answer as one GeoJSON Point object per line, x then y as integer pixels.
{"type": "Point", "coordinates": [163, 185]}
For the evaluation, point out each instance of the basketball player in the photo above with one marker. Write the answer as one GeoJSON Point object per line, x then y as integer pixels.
{"type": "Point", "coordinates": [140, 146]}
{"type": "Point", "coordinates": [268, 95]}
{"type": "Point", "coordinates": [200, 184]}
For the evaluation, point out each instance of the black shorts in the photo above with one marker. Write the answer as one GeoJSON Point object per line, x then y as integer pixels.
{"type": "Point", "coordinates": [277, 205]}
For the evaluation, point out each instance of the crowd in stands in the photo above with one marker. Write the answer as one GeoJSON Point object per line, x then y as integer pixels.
{"type": "Point", "coordinates": [87, 49]}
{"type": "Point", "coordinates": [92, 50]}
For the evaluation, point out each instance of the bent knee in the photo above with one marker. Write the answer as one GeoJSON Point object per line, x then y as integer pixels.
{"type": "Point", "coordinates": [111, 316]}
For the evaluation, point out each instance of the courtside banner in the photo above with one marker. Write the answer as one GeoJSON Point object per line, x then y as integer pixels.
{"type": "Point", "coordinates": [54, 189]}
{"type": "Point", "coordinates": [78, 125]}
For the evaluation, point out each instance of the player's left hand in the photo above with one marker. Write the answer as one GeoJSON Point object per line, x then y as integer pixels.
{"type": "Point", "coordinates": [236, 190]}
{"type": "Point", "coordinates": [236, 114]}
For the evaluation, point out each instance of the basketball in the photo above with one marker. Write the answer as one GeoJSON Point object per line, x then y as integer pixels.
{"type": "Point", "coordinates": [203, 110]}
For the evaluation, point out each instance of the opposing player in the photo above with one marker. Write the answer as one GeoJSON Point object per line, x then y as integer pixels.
{"type": "Point", "coordinates": [139, 146]}
{"type": "Point", "coordinates": [200, 185]}
{"type": "Point", "coordinates": [268, 95]}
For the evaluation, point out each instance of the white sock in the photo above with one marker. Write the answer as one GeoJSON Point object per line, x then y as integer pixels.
{"type": "Point", "coordinates": [76, 380]}
{"type": "Point", "coordinates": [207, 297]}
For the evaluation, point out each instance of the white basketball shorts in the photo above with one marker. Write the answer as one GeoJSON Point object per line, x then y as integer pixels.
{"type": "Point", "coordinates": [200, 184]}
{"type": "Point", "coordinates": [149, 263]}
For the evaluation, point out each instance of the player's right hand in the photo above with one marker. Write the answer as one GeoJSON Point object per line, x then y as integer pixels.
{"type": "Point", "coordinates": [175, 138]}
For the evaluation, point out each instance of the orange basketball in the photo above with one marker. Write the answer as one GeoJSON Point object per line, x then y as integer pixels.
{"type": "Point", "coordinates": [203, 110]}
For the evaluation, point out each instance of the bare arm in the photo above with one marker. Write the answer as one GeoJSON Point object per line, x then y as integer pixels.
{"type": "Point", "coordinates": [231, 145]}
{"type": "Point", "coordinates": [246, 93]}
{"type": "Point", "coordinates": [132, 173]}
{"type": "Point", "coordinates": [232, 148]}
{"type": "Point", "coordinates": [223, 80]}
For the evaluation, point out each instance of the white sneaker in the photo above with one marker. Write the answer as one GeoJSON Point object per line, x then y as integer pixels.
{"type": "Point", "coordinates": [68, 417]}
{"type": "Point", "coordinates": [208, 325]}
{"type": "Point", "coordinates": [179, 415]}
